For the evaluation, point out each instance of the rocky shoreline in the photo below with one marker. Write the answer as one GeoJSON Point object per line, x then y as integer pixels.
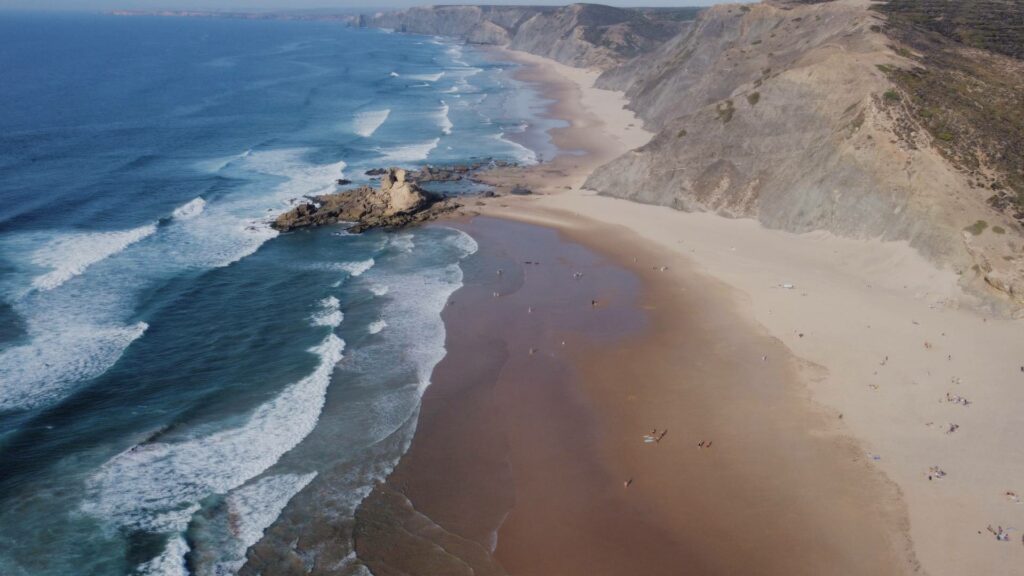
{"type": "Point", "coordinates": [398, 202]}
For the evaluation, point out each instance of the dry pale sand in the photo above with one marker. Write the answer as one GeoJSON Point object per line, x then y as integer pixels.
{"type": "Point", "coordinates": [885, 334]}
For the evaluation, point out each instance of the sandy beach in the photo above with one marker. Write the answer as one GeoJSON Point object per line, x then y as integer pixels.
{"type": "Point", "coordinates": [592, 418]}
{"type": "Point", "coordinates": [860, 408]}
{"type": "Point", "coordinates": [917, 374]}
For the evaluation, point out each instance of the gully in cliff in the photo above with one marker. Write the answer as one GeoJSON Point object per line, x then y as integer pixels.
{"type": "Point", "coordinates": [396, 204]}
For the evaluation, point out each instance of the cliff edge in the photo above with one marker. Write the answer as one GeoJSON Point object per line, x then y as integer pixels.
{"type": "Point", "coordinates": [791, 113]}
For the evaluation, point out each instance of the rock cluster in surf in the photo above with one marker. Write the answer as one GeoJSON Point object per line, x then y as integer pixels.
{"type": "Point", "coordinates": [399, 202]}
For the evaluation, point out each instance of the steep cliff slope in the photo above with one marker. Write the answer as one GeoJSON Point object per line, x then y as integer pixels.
{"type": "Point", "coordinates": [786, 112]}
{"type": "Point", "coordinates": [583, 35]}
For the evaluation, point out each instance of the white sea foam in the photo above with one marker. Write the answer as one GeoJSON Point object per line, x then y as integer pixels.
{"type": "Point", "coordinates": [59, 354]}
{"type": "Point", "coordinates": [253, 508]}
{"type": "Point", "coordinates": [376, 326]}
{"type": "Point", "coordinates": [215, 165]}
{"type": "Point", "coordinates": [455, 52]}
{"type": "Point", "coordinates": [410, 153]}
{"type": "Point", "coordinates": [358, 268]}
{"type": "Point", "coordinates": [70, 255]}
{"type": "Point", "coordinates": [329, 314]}
{"type": "Point", "coordinates": [443, 120]}
{"type": "Point", "coordinates": [190, 210]}
{"type": "Point", "coordinates": [257, 505]}
{"type": "Point", "coordinates": [366, 123]}
{"type": "Point", "coordinates": [236, 227]}
{"type": "Point", "coordinates": [402, 242]}
{"type": "Point", "coordinates": [394, 74]}
{"type": "Point", "coordinates": [154, 486]}
{"type": "Point", "coordinates": [465, 243]}
{"type": "Point", "coordinates": [170, 562]}
{"type": "Point", "coordinates": [426, 77]}
{"type": "Point", "coordinates": [523, 154]}
{"type": "Point", "coordinates": [379, 289]}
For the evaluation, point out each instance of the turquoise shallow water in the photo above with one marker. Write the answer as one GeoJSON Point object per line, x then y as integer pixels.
{"type": "Point", "coordinates": [172, 372]}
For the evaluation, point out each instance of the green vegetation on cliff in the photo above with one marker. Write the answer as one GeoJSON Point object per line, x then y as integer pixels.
{"type": "Point", "coordinates": [967, 86]}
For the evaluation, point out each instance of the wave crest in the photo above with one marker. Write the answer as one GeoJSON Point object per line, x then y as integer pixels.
{"type": "Point", "coordinates": [367, 123]}
{"type": "Point", "coordinates": [70, 255]}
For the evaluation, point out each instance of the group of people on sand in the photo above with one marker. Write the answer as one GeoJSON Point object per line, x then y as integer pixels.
{"type": "Point", "coordinates": [957, 399]}
{"type": "Point", "coordinates": [1000, 534]}
{"type": "Point", "coordinates": [655, 436]}
{"type": "Point", "coordinates": [936, 473]}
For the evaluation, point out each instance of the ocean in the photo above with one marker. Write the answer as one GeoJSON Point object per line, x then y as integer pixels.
{"type": "Point", "coordinates": [177, 380]}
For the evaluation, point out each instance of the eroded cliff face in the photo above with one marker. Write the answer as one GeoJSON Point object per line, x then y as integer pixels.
{"type": "Point", "coordinates": [799, 113]}
{"type": "Point", "coordinates": [784, 112]}
{"type": "Point", "coordinates": [582, 35]}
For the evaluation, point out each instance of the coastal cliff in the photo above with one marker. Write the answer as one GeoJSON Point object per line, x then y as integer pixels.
{"type": "Point", "coordinates": [787, 112]}
{"type": "Point", "coordinates": [581, 35]}
{"type": "Point", "coordinates": [847, 116]}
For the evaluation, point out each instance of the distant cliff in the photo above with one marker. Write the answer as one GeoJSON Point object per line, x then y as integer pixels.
{"type": "Point", "coordinates": [582, 35]}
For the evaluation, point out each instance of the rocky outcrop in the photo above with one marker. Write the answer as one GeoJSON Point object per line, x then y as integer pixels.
{"type": "Point", "coordinates": [786, 112]}
{"type": "Point", "coordinates": [583, 35]}
{"type": "Point", "coordinates": [397, 203]}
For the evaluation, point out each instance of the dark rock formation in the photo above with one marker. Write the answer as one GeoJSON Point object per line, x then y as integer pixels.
{"type": "Point", "coordinates": [397, 203]}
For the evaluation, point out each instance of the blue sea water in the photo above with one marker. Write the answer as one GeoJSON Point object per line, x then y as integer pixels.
{"type": "Point", "coordinates": [172, 371]}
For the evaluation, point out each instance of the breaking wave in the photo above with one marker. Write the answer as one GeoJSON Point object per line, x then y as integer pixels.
{"type": "Point", "coordinates": [190, 210]}
{"type": "Point", "coordinates": [329, 314]}
{"type": "Point", "coordinates": [443, 119]}
{"type": "Point", "coordinates": [366, 123]}
{"type": "Point", "coordinates": [410, 153]}
{"type": "Point", "coordinates": [157, 486]}
{"type": "Point", "coordinates": [70, 255]}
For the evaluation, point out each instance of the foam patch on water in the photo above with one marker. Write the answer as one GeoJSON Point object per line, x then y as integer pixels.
{"type": "Point", "coordinates": [366, 123]}
{"type": "Point", "coordinates": [455, 52]}
{"type": "Point", "coordinates": [170, 562]}
{"type": "Point", "coordinates": [237, 226]}
{"type": "Point", "coordinates": [523, 154]}
{"type": "Point", "coordinates": [402, 242]}
{"type": "Point", "coordinates": [58, 357]}
{"type": "Point", "coordinates": [376, 326]}
{"type": "Point", "coordinates": [413, 314]}
{"type": "Point", "coordinates": [329, 314]}
{"type": "Point", "coordinates": [465, 243]}
{"type": "Point", "coordinates": [152, 486]}
{"type": "Point", "coordinates": [443, 119]}
{"type": "Point", "coordinates": [70, 255]}
{"type": "Point", "coordinates": [426, 77]}
{"type": "Point", "coordinates": [379, 289]}
{"type": "Point", "coordinates": [253, 508]}
{"type": "Point", "coordinates": [410, 153]}
{"type": "Point", "coordinates": [190, 210]}
{"type": "Point", "coordinates": [358, 268]}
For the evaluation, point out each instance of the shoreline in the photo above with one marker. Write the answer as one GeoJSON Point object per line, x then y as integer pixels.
{"type": "Point", "coordinates": [785, 473]}
{"type": "Point", "coordinates": [883, 335]}
{"type": "Point", "coordinates": [536, 418]}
